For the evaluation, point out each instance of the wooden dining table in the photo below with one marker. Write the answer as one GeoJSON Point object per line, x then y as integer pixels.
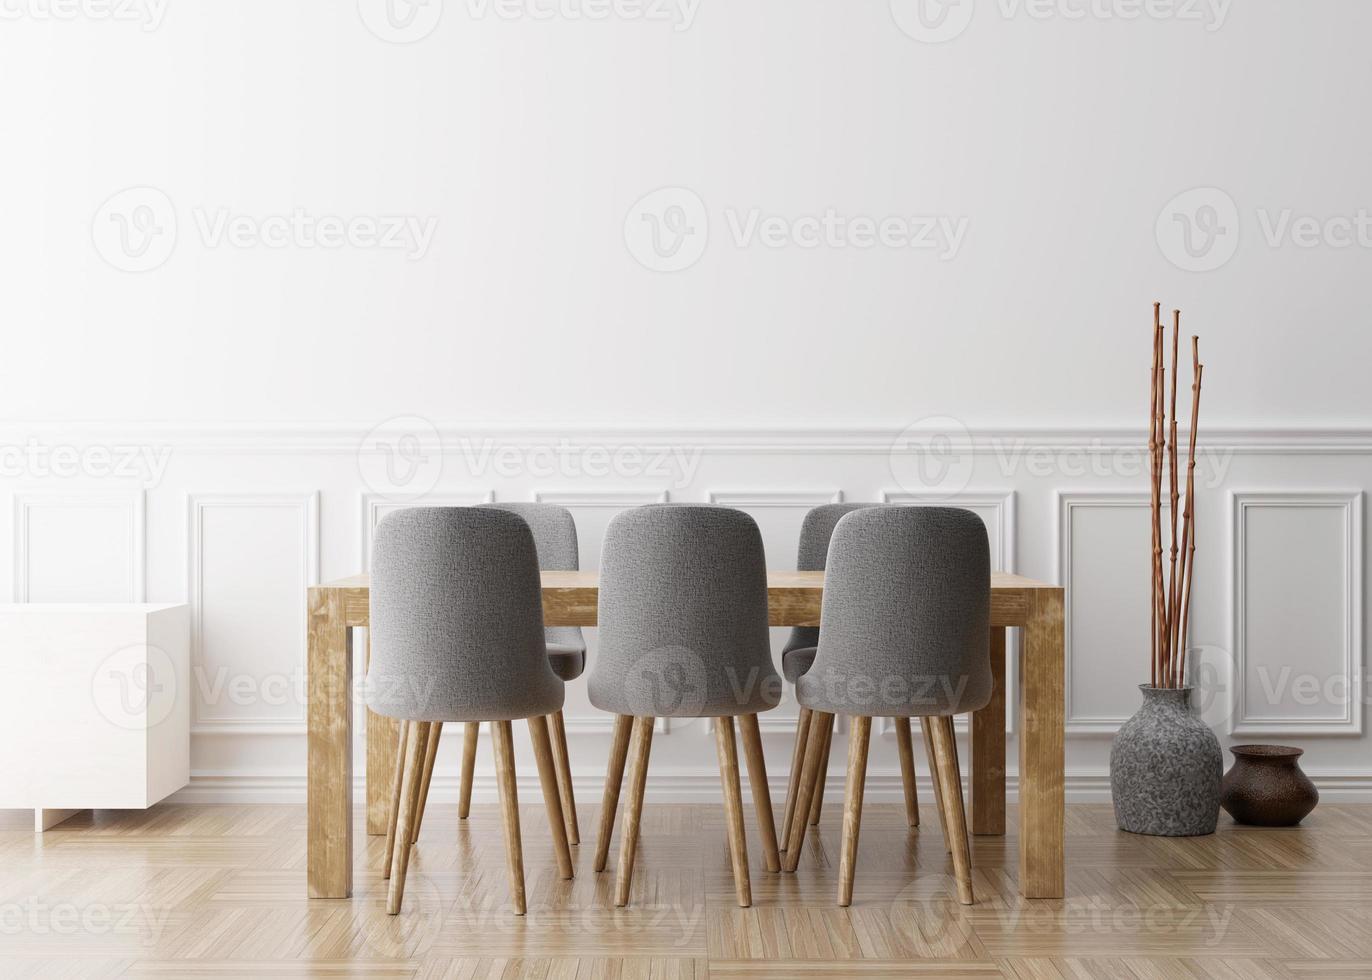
{"type": "Point", "coordinates": [793, 599]}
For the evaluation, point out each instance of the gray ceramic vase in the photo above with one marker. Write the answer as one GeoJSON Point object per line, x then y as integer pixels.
{"type": "Point", "coordinates": [1165, 768]}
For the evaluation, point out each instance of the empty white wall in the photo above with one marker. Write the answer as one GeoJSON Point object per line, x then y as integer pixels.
{"type": "Point", "coordinates": [1049, 149]}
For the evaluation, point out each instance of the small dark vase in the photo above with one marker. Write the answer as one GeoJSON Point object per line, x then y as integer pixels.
{"type": "Point", "coordinates": [1165, 767]}
{"type": "Point", "coordinates": [1266, 787]}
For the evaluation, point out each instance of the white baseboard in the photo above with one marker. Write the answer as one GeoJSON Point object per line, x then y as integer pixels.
{"type": "Point", "coordinates": [700, 785]}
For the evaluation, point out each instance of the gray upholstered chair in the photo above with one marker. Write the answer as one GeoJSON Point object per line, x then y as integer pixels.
{"type": "Point", "coordinates": [457, 636]}
{"type": "Point", "coordinates": [906, 633]}
{"type": "Point", "coordinates": [797, 656]}
{"type": "Point", "coordinates": [554, 532]}
{"type": "Point", "coordinates": [683, 634]}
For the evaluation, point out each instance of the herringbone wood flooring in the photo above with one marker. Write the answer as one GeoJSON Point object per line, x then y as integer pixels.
{"type": "Point", "coordinates": [183, 892]}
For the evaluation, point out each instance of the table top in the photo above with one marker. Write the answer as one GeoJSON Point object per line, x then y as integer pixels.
{"type": "Point", "coordinates": [793, 597]}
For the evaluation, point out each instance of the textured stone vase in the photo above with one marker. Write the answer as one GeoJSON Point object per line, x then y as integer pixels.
{"type": "Point", "coordinates": [1266, 787]}
{"type": "Point", "coordinates": [1165, 768]}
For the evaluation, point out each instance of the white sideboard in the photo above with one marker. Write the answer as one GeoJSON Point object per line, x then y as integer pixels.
{"type": "Point", "coordinates": [94, 706]}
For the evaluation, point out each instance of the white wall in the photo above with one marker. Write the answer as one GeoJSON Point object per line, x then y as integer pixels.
{"type": "Point", "coordinates": [1054, 147]}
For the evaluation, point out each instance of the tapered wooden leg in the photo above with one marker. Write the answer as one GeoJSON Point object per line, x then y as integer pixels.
{"type": "Point", "coordinates": [793, 784]}
{"type": "Point", "coordinates": [416, 744]}
{"type": "Point", "coordinates": [469, 736]}
{"type": "Point", "coordinates": [906, 746]}
{"type": "Point", "coordinates": [562, 762]}
{"type": "Point", "coordinates": [988, 749]}
{"type": "Point", "coordinates": [552, 800]}
{"type": "Point", "coordinates": [818, 799]}
{"type": "Point", "coordinates": [927, 727]}
{"type": "Point", "coordinates": [954, 817]}
{"type": "Point", "coordinates": [633, 808]}
{"type": "Point", "coordinates": [810, 780]}
{"type": "Point", "coordinates": [762, 796]}
{"type": "Point", "coordinates": [393, 814]}
{"type": "Point", "coordinates": [430, 753]}
{"type": "Point", "coordinates": [502, 738]}
{"type": "Point", "coordinates": [614, 777]}
{"type": "Point", "coordinates": [733, 808]}
{"type": "Point", "coordinates": [859, 737]}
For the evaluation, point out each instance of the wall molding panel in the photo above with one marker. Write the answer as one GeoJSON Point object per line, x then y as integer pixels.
{"type": "Point", "coordinates": [1294, 578]}
{"type": "Point", "coordinates": [131, 506]}
{"type": "Point", "coordinates": [242, 518]}
{"type": "Point", "coordinates": [305, 551]}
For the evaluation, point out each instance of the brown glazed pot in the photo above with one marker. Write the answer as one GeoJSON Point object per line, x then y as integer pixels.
{"type": "Point", "coordinates": [1266, 788]}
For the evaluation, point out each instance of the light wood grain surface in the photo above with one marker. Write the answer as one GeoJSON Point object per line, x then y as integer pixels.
{"type": "Point", "coordinates": [181, 892]}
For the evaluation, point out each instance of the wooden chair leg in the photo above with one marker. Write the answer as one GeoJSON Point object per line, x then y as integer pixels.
{"type": "Point", "coordinates": [464, 800]}
{"type": "Point", "coordinates": [503, 741]}
{"type": "Point", "coordinates": [946, 756]}
{"type": "Point", "coordinates": [762, 796]}
{"type": "Point", "coordinates": [733, 808]}
{"type": "Point", "coordinates": [393, 814]}
{"type": "Point", "coordinates": [633, 807]}
{"type": "Point", "coordinates": [927, 728]}
{"type": "Point", "coordinates": [859, 737]}
{"type": "Point", "coordinates": [614, 777]}
{"type": "Point", "coordinates": [547, 778]}
{"type": "Point", "coordinates": [907, 769]}
{"type": "Point", "coordinates": [415, 747]}
{"type": "Point", "coordinates": [562, 762]}
{"type": "Point", "coordinates": [793, 783]}
{"type": "Point", "coordinates": [430, 753]}
{"type": "Point", "coordinates": [809, 782]}
{"type": "Point", "coordinates": [818, 799]}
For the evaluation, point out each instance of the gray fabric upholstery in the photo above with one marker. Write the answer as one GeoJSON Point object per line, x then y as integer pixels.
{"type": "Point", "coordinates": [554, 531]}
{"type": "Point", "coordinates": [683, 615]}
{"type": "Point", "coordinates": [796, 662]}
{"type": "Point", "coordinates": [907, 612]}
{"type": "Point", "coordinates": [815, 533]}
{"type": "Point", "coordinates": [457, 618]}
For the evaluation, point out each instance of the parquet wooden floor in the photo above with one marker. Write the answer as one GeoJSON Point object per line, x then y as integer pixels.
{"type": "Point", "coordinates": [187, 892]}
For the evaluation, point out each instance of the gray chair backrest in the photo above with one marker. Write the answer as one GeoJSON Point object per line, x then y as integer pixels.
{"type": "Point", "coordinates": [906, 613]}
{"type": "Point", "coordinates": [683, 615]}
{"type": "Point", "coordinates": [457, 618]}
{"type": "Point", "coordinates": [815, 532]}
{"type": "Point", "coordinates": [554, 531]}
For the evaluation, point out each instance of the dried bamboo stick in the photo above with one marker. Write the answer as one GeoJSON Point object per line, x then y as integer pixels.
{"type": "Point", "coordinates": [1188, 569]}
{"type": "Point", "coordinates": [1160, 424]}
{"type": "Point", "coordinates": [1153, 660]}
{"type": "Point", "coordinates": [1170, 622]}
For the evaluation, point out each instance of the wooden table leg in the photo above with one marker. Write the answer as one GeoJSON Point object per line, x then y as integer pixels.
{"type": "Point", "coordinates": [1041, 793]}
{"type": "Point", "coordinates": [382, 734]}
{"type": "Point", "coordinates": [329, 849]}
{"type": "Point", "coordinates": [988, 748]}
